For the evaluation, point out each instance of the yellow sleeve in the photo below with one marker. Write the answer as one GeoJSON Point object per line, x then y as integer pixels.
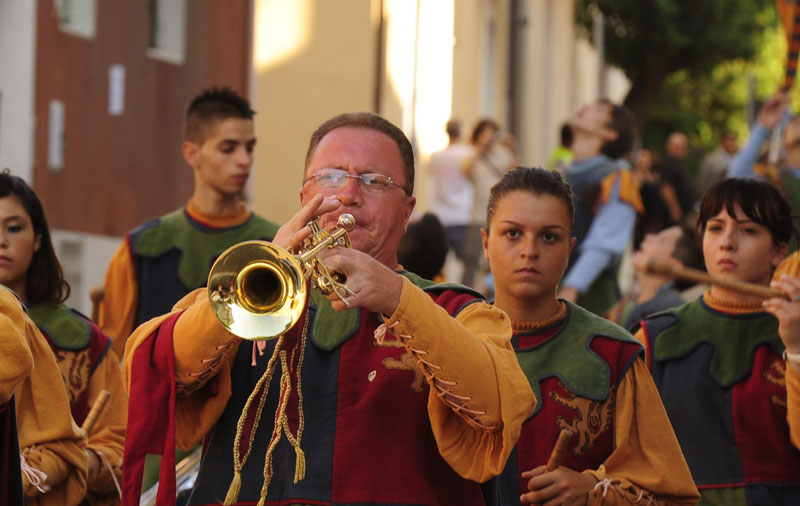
{"type": "Point", "coordinates": [120, 300]}
{"type": "Point", "coordinates": [107, 438]}
{"type": "Point", "coordinates": [49, 440]}
{"type": "Point", "coordinates": [479, 396]}
{"type": "Point", "coordinates": [789, 265]}
{"type": "Point", "coordinates": [793, 403]}
{"type": "Point", "coordinates": [647, 458]}
{"type": "Point", "coordinates": [203, 350]}
{"type": "Point", "coordinates": [16, 360]}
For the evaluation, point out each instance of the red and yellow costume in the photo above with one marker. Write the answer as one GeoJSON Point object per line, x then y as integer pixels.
{"type": "Point", "coordinates": [16, 363]}
{"type": "Point", "coordinates": [731, 397]}
{"type": "Point", "coordinates": [589, 378]}
{"type": "Point", "coordinates": [408, 419]}
{"type": "Point", "coordinates": [55, 465]}
{"type": "Point", "coordinates": [89, 366]}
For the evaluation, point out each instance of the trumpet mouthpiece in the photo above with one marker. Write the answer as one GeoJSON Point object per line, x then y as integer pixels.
{"type": "Point", "coordinates": [347, 221]}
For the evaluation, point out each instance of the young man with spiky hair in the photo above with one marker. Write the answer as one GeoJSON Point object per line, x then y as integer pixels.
{"type": "Point", "coordinates": [165, 258]}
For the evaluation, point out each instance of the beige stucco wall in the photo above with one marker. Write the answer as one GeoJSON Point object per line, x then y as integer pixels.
{"type": "Point", "coordinates": [439, 59]}
{"type": "Point", "coordinates": [311, 60]}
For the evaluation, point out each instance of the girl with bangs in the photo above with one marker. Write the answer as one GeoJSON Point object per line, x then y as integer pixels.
{"type": "Point", "coordinates": [727, 365]}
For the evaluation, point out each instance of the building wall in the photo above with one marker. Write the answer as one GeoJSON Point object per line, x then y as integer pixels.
{"type": "Point", "coordinates": [17, 41]}
{"type": "Point", "coordinates": [311, 60]}
{"type": "Point", "coordinates": [120, 170]}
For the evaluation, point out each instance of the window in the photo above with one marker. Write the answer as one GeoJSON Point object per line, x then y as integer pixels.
{"type": "Point", "coordinates": [77, 17]}
{"type": "Point", "coordinates": [55, 143]}
{"type": "Point", "coordinates": [167, 39]}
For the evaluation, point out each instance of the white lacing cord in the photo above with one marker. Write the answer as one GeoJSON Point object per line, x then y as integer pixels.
{"type": "Point", "coordinates": [455, 401]}
{"type": "Point", "coordinates": [34, 476]}
{"type": "Point", "coordinates": [607, 483]}
{"type": "Point", "coordinates": [105, 462]}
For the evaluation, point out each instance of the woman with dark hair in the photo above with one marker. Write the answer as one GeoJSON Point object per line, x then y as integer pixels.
{"type": "Point", "coordinates": [29, 267]}
{"type": "Point", "coordinates": [587, 373]}
{"type": "Point", "coordinates": [723, 364]}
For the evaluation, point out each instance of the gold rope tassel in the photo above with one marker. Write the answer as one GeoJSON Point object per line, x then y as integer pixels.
{"type": "Point", "coordinates": [233, 490]}
{"type": "Point", "coordinates": [238, 463]}
{"type": "Point", "coordinates": [299, 464]}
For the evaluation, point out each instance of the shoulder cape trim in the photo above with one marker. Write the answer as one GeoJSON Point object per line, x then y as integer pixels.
{"type": "Point", "coordinates": [567, 355]}
{"type": "Point", "coordinates": [177, 231]}
{"type": "Point", "coordinates": [676, 333]}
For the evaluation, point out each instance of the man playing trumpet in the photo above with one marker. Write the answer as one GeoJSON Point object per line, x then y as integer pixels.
{"type": "Point", "coordinates": [404, 398]}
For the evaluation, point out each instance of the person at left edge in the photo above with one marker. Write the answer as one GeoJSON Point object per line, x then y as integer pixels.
{"type": "Point", "coordinates": [163, 259]}
{"type": "Point", "coordinates": [16, 363]}
{"type": "Point", "coordinates": [28, 265]}
{"type": "Point", "coordinates": [411, 397]}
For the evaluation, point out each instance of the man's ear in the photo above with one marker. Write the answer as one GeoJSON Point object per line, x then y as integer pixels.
{"type": "Point", "coordinates": [189, 150]}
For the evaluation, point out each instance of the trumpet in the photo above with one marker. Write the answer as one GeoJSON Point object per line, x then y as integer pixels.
{"type": "Point", "coordinates": [258, 290]}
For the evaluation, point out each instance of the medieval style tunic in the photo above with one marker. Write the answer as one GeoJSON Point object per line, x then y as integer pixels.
{"type": "Point", "coordinates": [408, 419]}
{"type": "Point", "coordinates": [89, 366]}
{"type": "Point", "coordinates": [724, 384]}
{"type": "Point", "coordinates": [52, 445]}
{"type": "Point", "coordinates": [589, 378]}
{"type": "Point", "coordinates": [164, 259]}
{"type": "Point", "coordinates": [16, 363]}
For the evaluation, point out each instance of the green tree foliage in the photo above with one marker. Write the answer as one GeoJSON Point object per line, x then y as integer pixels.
{"type": "Point", "coordinates": [650, 40]}
{"type": "Point", "coordinates": [703, 105]}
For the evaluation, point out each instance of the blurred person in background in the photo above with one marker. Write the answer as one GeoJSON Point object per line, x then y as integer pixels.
{"type": "Point", "coordinates": [784, 171]}
{"type": "Point", "coordinates": [490, 160]}
{"type": "Point", "coordinates": [655, 216]}
{"type": "Point", "coordinates": [677, 188]}
{"type": "Point", "coordinates": [657, 292]}
{"type": "Point", "coordinates": [714, 166]}
{"type": "Point", "coordinates": [452, 190]}
{"type": "Point", "coordinates": [606, 203]}
{"type": "Point", "coordinates": [561, 157]}
{"type": "Point", "coordinates": [423, 248]}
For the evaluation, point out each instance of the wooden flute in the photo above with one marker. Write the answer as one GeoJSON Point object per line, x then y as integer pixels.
{"type": "Point", "coordinates": [657, 266]}
{"type": "Point", "coordinates": [97, 408]}
{"type": "Point", "coordinates": [559, 449]}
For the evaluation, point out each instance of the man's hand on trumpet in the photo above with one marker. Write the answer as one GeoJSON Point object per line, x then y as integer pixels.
{"type": "Point", "coordinates": [295, 231]}
{"type": "Point", "coordinates": [377, 288]}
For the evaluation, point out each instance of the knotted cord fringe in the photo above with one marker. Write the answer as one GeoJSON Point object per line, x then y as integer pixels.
{"type": "Point", "coordinates": [281, 420]}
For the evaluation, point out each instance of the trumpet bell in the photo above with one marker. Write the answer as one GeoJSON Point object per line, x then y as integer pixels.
{"type": "Point", "coordinates": [257, 290]}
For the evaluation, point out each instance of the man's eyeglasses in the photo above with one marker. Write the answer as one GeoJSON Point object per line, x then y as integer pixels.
{"type": "Point", "coordinates": [336, 178]}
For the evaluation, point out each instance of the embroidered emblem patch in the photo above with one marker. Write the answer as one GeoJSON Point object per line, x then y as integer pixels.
{"type": "Point", "coordinates": [592, 418]}
{"type": "Point", "coordinates": [406, 363]}
{"type": "Point", "coordinates": [776, 374]}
